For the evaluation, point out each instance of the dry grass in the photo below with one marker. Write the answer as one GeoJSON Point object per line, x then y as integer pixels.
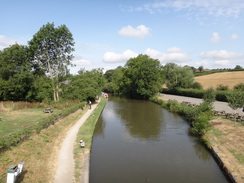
{"type": "Point", "coordinates": [227, 139]}
{"type": "Point", "coordinates": [225, 78]}
{"type": "Point", "coordinates": [7, 106]}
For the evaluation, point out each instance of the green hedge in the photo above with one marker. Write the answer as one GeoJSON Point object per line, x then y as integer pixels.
{"type": "Point", "coordinates": [18, 136]}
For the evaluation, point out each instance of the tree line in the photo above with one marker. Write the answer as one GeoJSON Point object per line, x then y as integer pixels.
{"type": "Point", "coordinates": [38, 72]}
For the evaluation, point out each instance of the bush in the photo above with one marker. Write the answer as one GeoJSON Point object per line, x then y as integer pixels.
{"type": "Point", "coordinates": [198, 117]}
{"type": "Point", "coordinates": [201, 124]}
{"type": "Point", "coordinates": [239, 87]}
{"type": "Point", "coordinates": [222, 87]}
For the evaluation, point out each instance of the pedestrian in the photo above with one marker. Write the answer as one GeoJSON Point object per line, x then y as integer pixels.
{"type": "Point", "coordinates": [90, 103]}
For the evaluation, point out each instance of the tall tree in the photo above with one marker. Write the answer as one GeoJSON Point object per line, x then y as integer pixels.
{"type": "Point", "coordinates": [143, 77]}
{"type": "Point", "coordinates": [51, 50]}
{"type": "Point", "coordinates": [16, 76]}
{"type": "Point", "coordinates": [181, 77]}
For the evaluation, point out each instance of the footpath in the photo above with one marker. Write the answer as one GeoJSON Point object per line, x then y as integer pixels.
{"type": "Point", "coordinates": [66, 165]}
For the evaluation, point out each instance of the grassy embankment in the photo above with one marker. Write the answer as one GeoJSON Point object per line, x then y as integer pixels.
{"type": "Point", "coordinates": [39, 150]}
{"type": "Point", "coordinates": [86, 133]}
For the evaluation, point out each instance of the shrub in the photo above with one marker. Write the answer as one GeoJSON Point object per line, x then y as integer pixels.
{"type": "Point", "coordinates": [239, 87]}
{"type": "Point", "coordinates": [222, 87]}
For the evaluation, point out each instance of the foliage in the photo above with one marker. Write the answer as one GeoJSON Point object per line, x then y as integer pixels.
{"type": "Point", "coordinates": [142, 77]}
{"type": "Point", "coordinates": [198, 117]}
{"type": "Point", "coordinates": [209, 96]}
{"type": "Point", "coordinates": [178, 77]}
{"type": "Point", "coordinates": [85, 86]}
{"type": "Point", "coordinates": [222, 87]}
{"type": "Point", "coordinates": [239, 87]}
{"type": "Point", "coordinates": [51, 50]}
{"type": "Point", "coordinates": [16, 76]}
{"type": "Point", "coordinates": [235, 99]}
{"type": "Point", "coordinates": [196, 85]}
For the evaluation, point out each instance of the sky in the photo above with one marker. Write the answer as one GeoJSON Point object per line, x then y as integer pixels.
{"type": "Point", "coordinates": [107, 33]}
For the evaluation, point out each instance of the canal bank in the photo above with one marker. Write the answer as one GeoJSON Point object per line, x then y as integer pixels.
{"type": "Point", "coordinates": [225, 139]}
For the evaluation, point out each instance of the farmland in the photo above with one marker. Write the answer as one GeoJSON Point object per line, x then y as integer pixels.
{"type": "Point", "coordinates": [229, 79]}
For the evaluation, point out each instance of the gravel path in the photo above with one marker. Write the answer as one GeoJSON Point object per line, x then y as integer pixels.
{"type": "Point", "coordinates": [218, 106]}
{"type": "Point", "coordinates": [65, 164]}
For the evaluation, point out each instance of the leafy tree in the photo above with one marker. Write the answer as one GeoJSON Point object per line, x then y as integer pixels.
{"type": "Point", "coordinates": [14, 60]}
{"type": "Point", "coordinates": [179, 77]}
{"type": "Point", "coordinates": [238, 67]}
{"type": "Point", "coordinates": [15, 73]}
{"type": "Point", "coordinates": [142, 77]}
{"type": "Point", "coordinates": [85, 86]}
{"type": "Point", "coordinates": [51, 50]}
{"type": "Point", "coordinates": [41, 89]}
{"type": "Point", "coordinates": [200, 68]}
{"type": "Point", "coordinates": [235, 99]}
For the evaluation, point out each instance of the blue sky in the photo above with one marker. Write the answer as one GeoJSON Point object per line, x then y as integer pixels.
{"type": "Point", "coordinates": [107, 33]}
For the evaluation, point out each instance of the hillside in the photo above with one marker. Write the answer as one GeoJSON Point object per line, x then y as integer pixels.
{"type": "Point", "coordinates": [225, 78]}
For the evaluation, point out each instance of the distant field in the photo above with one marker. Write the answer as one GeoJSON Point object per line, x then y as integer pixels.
{"type": "Point", "coordinates": [225, 78]}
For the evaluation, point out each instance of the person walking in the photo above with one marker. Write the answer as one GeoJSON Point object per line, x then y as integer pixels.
{"type": "Point", "coordinates": [90, 103]}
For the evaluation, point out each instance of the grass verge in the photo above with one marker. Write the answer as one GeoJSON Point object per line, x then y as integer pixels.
{"type": "Point", "coordinates": [86, 134]}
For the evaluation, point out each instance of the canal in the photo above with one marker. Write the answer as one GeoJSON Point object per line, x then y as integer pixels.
{"type": "Point", "coordinates": [138, 141]}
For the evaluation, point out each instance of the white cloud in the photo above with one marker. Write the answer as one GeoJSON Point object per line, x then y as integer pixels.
{"type": "Point", "coordinates": [222, 58]}
{"type": "Point", "coordinates": [140, 31]}
{"type": "Point", "coordinates": [174, 54]}
{"type": "Point", "coordinates": [80, 61]}
{"type": "Point", "coordinates": [221, 55]}
{"type": "Point", "coordinates": [226, 8]}
{"type": "Point", "coordinates": [234, 36]}
{"type": "Point", "coordinates": [215, 37]}
{"type": "Point", "coordinates": [112, 57]}
{"type": "Point", "coordinates": [222, 63]}
{"type": "Point", "coordinates": [5, 42]}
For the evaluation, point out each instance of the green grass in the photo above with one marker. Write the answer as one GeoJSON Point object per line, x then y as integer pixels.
{"type": "Point", "coordinates": [86, 134]}
{"type": "Point", "coordinates": [19, 119]}
{"type": "Point", "coordinates": [239, 157]}
{"type": "Point", "coordinates": [216, 132]}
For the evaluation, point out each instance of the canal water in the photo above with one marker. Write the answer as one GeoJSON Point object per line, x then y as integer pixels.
{"type": "Point", "coordinates": [138, 141]}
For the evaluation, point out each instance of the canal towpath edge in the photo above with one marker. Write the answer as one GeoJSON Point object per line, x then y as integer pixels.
{"type": "Point", "coordinates": [65, 162]}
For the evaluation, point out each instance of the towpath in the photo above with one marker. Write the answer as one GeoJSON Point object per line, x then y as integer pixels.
{"type": "Point", "coordinates": [65, 164]}
{"type": "Point", "coordinates": [218, 106]}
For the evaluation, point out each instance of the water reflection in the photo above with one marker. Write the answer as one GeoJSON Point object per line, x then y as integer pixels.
{"type": "Point", "coordinates": [141, 119]}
